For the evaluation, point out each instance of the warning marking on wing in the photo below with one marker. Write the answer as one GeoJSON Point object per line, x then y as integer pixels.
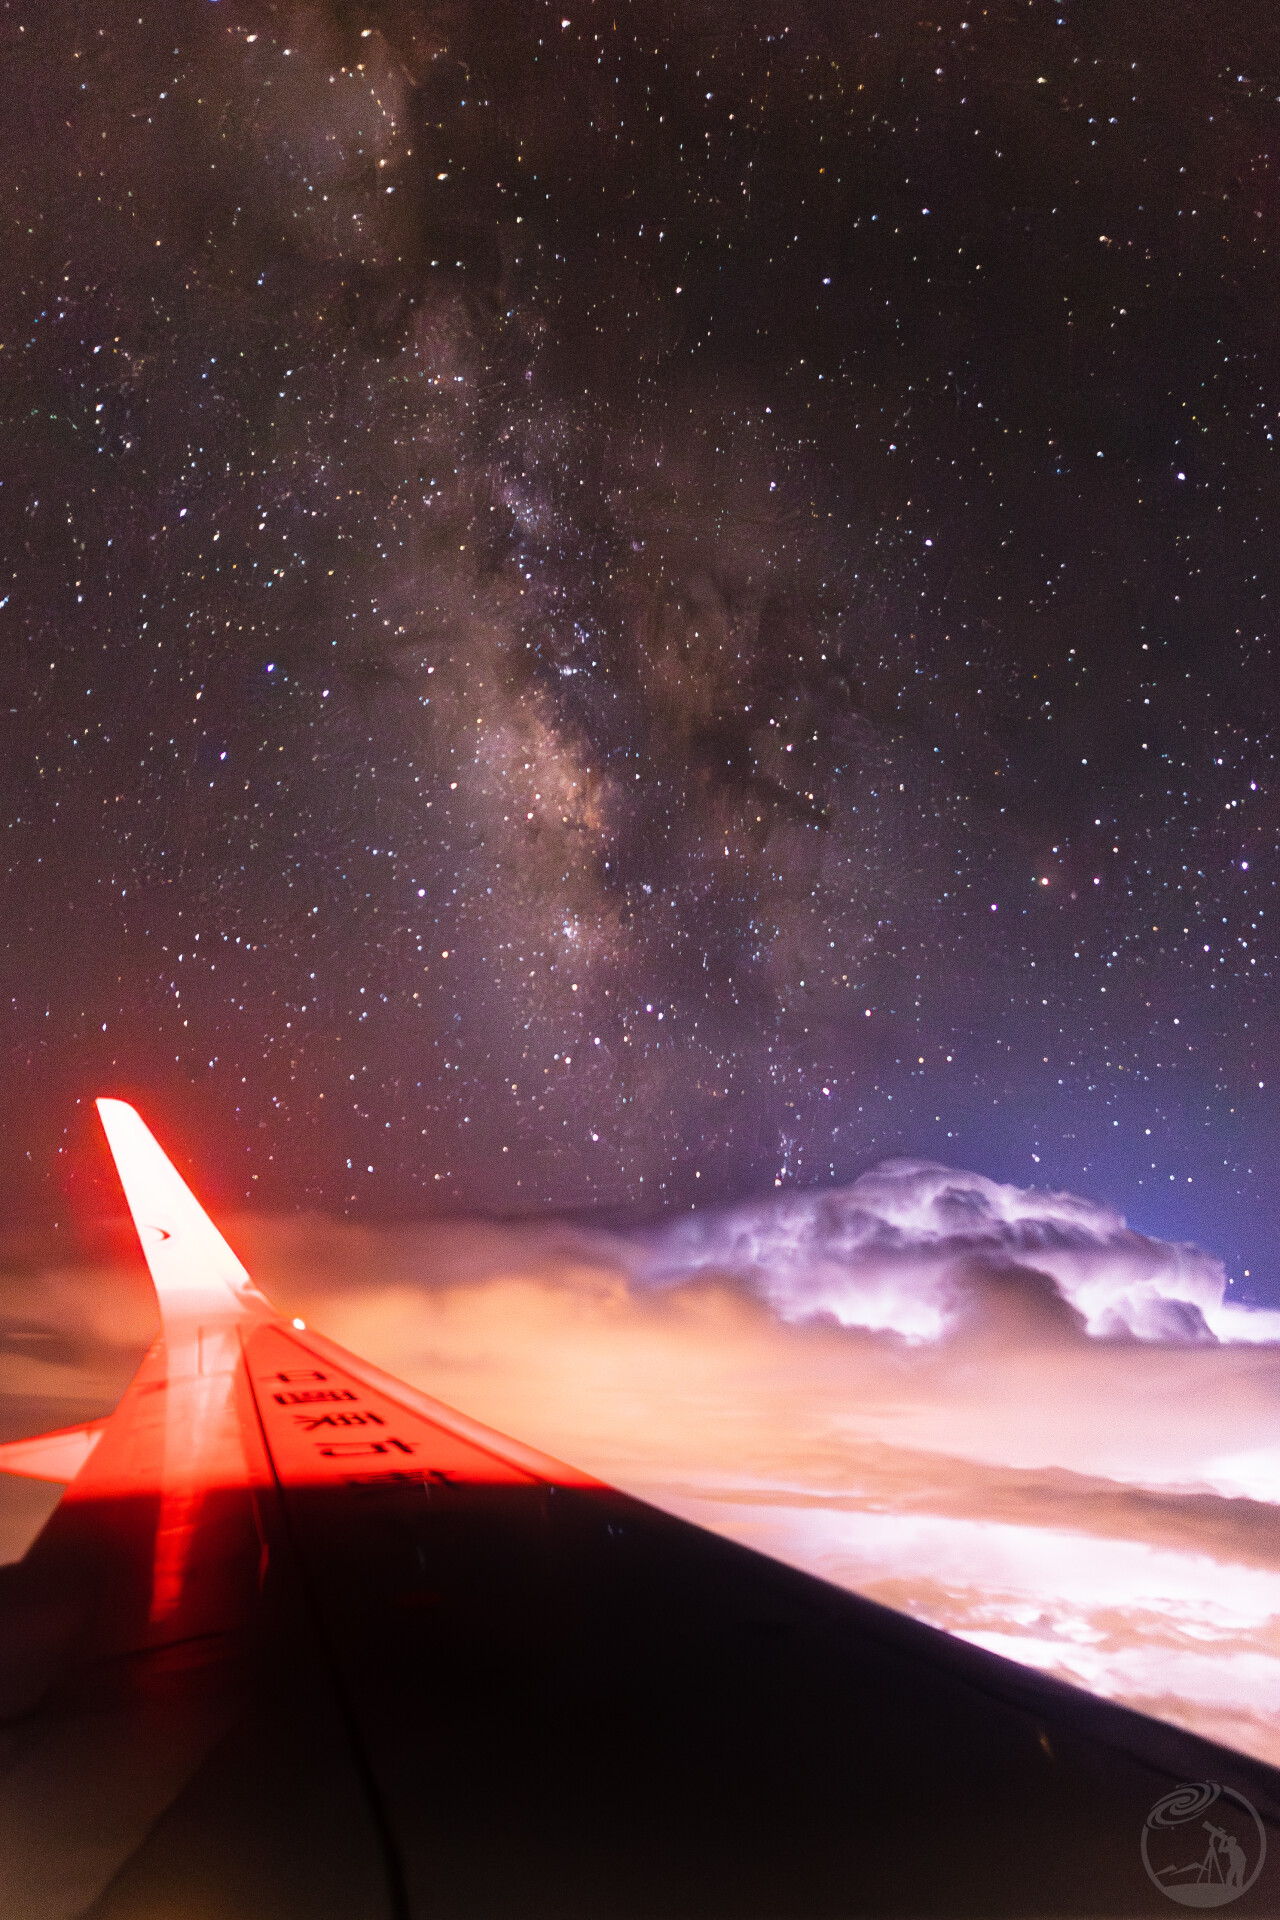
{"type": "Point", "coordinates": [322, 1424]}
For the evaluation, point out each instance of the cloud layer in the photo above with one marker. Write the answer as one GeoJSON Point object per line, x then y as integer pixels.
{"type": "Point", "coordinates": [1005, 1412]}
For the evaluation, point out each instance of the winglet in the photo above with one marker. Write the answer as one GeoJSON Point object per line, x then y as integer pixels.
{"type": "Point", "coordinates": [194, 1270]}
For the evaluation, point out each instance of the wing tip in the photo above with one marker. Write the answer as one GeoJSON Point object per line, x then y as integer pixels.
{"type": "Point", "coordinates": [117, 1117]}
{"type": "Point", "coordinates": [183, 1248]}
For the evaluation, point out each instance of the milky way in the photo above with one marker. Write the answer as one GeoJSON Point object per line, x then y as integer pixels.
{"type": "Point", "coordinates": [602, 607]}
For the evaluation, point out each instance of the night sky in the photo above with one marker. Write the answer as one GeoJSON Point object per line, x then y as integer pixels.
{"type": "Point", "coordinates": [605, 608]}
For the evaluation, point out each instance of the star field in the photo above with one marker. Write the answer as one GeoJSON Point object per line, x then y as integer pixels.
{"type": "Point", "coordinates": [614, 608]}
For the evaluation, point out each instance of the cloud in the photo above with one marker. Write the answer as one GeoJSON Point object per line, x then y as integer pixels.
{"type": "Point", "coordinates": [965, 1400]}
{"type": "Point", "coordinates": [921, 1250]}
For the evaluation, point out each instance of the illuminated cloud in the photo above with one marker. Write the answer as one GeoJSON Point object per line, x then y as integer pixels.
{"type": "Point", "coordinates": [913, 1249]}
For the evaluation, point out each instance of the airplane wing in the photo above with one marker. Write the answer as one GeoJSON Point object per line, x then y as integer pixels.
{"type": "Point", "coordinates": [301, 1641]}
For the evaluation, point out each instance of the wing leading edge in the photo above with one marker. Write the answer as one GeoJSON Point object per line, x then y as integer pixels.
{"type": "Point", "coordinates": [302, 1640]}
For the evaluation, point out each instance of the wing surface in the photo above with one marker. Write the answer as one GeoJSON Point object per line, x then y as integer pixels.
{"type": "Point", "coordinates": [301, 1640]}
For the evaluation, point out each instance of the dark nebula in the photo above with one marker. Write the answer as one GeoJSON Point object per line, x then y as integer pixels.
{"type": "Point", "coordinates": [603, 608]}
